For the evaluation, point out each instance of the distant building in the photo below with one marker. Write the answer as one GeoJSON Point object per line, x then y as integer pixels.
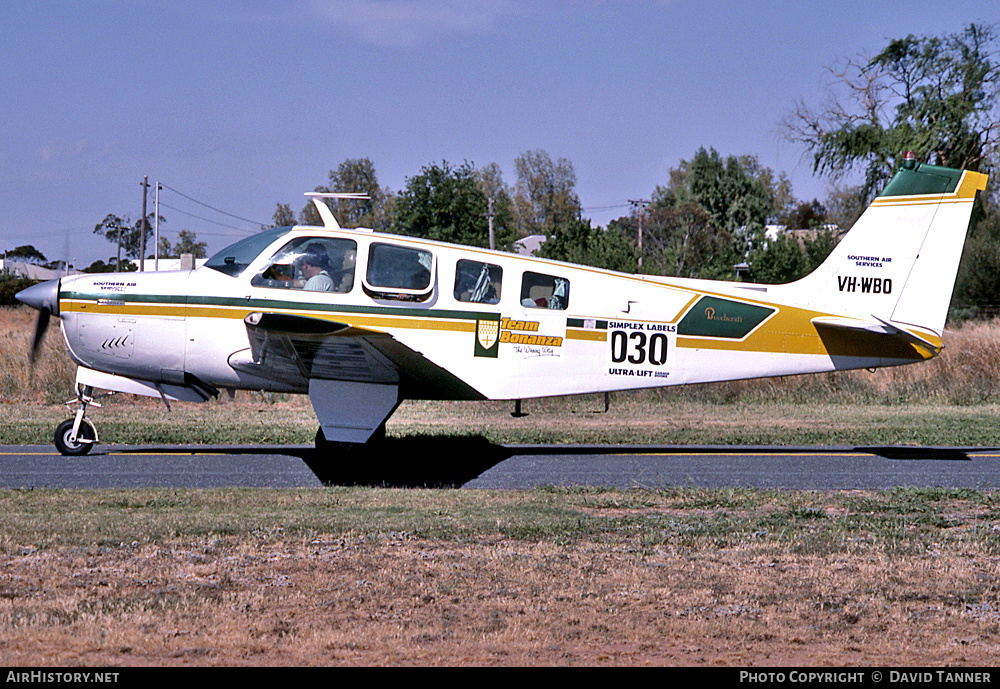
{"type": "Point", "coordinates": [772, 232]}
{"type": "Point", "coordinates": [529, 246]}
{"type": "Point", "coordinates": [33, 271]}
{"type": "Point", "coordinates": [813, 231]}
{"type": "Point", "coordinates": [185, 262]}
{"type": "Point", "coordinates": [37, 272]}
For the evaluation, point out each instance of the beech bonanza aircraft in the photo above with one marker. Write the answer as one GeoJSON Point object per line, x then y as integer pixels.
{"type": "Point", "coordinates": [360, 320]}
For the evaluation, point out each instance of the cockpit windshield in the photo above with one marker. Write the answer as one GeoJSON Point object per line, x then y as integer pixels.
{"type": "Point", "coordinates": [234, 259]}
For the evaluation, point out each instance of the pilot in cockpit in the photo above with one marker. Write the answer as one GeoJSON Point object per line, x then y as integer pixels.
{"type": "Point", "coordinates": [314, 264]}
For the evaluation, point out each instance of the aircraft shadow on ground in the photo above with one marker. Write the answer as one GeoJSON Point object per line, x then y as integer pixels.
{"type": "Point", "coordinates": [448, 462]}
{"type": "Point", "coordinates": [424, 462]}
{"type": "Point", "coordinates": [946, 453]}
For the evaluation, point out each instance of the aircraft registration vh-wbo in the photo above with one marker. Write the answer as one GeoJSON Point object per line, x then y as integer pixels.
{"type": "Point", "coordinates": [360, 320]}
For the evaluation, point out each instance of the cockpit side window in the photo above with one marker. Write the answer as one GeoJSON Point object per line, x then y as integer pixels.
{"type": "Point", "coordinates": [315, 264]}
{"type": "Point", "coordinates": [478, 283]}
{"type": "Point", "coordinates": [540, 291]}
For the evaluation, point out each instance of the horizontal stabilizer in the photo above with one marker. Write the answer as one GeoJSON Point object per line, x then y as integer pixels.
{"type": "Point", "coordinates": [878, 326]}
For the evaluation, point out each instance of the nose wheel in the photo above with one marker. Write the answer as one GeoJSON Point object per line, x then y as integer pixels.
{"type": "Point", "coordinates": [77, 435]}
{"type": "Point", "coordinates": [75, 444]}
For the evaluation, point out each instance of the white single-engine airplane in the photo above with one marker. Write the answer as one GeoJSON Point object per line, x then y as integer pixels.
{"type": "Point", "coordinates": [360, 320]}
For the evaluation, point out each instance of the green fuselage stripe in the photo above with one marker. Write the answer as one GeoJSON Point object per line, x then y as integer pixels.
{"type": "Point", "coordinates": [270, 305]}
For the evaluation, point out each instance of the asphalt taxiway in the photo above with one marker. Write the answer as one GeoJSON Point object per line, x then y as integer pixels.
{"type": "Point", "coordinates": [476, 463]}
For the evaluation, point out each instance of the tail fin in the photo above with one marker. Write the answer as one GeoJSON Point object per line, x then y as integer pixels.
{"type": "Point", "coordinates": [897, 265]}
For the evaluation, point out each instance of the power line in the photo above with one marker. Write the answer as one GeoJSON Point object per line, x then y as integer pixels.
{"type": "Point", "coordinates": [606, 208]}
{"type": "Point", "coordinates": [242, 230]}
{"type": "Point", "coordinates": [217, 210]}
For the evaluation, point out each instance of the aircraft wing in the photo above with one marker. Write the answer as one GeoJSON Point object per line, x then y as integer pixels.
{"type": "Point", "coordinates": [296, 349]}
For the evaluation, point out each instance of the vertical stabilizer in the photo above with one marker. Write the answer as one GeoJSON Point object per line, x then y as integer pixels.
{"type": "Point", "coordinates": [899, 262]}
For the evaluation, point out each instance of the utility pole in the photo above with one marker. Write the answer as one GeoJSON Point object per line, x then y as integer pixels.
{"type": "Point", "coordinates": [489, 215]}
{"type": "Point", "coordinates": [118, 260]}
{"type": "Point", "coordinates": [641, 203]}
{"type": "Point", "coordinates": [142, 232]}
{"type": "Point", "coordinates": [156, 229]}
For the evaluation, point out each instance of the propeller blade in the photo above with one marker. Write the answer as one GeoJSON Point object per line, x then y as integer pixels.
{"type": "Point", "coordinates": [41, 325]}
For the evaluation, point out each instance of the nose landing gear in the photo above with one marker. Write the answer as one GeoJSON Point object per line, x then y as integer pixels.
{"type": "Point", "coordinates": [77, 435]}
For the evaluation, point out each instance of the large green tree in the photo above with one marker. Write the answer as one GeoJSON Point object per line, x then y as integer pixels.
{"type": "Point", "coordinates": [735, 191]}
{"type": "Point", "coordinates": [710, 215]}
{"type": "Point", "coordinates": [613, 248]}
{"type": "Point", "coordinates": [545, 198]}
{"type": "Point", "coordinates": [27, 253]}
{"type": "Point", "coordinates": [121, 231]}
{"type": "Point", "coordinates": [187, 243]}
{"type": "Point", "coordinates": [977, 288]}
{"type": "Point", "coordinates": [448, 203]}
{"type": "Point", "coordinates": [777, 260]}
{"type": "Point", "coordinates": [500, 204]}
{"type": "Point", "coordinates": [934, 95]}
{"type": "Point", "coordinates": [283, 217]}
{"type": "Point", "coordinates": [806, 239]}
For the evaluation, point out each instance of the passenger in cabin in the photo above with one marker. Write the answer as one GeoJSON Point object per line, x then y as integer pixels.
{"type": "Point", "coordinates": [544, 291]}
{"type": "Point", "coordinates": [343, 279]}
{"type": "Point", "coordinates": [477, 282]}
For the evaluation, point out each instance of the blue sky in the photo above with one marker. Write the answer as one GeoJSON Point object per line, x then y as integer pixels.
{"type": "Point", "coordinates": [242, 105]}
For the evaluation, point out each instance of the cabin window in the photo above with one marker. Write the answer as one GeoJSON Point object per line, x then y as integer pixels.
{"type": "Point", "coordinates": [478, 283]}
{"type": "Point", "coordinates": [399, 267]}
{"type": "Point", "coordinates": [540, 291]}
{"type": "Point", "coordinates": [314, 264]}
{"type": "Point", "coordinates": [399, 272]}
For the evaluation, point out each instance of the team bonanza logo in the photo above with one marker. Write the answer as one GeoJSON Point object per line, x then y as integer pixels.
{"type": "Point", "coordinates": [487, 336]}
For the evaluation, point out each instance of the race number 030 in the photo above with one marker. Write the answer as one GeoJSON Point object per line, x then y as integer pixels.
{"type": "Point", "coordinates": [636, 348]}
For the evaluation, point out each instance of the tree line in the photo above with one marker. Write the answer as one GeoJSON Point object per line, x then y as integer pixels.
{"type": "Point", "coordinates": [719, 216]}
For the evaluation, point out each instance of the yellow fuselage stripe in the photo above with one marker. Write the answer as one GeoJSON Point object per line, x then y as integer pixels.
{"type": "Point", "coordinates": [788, 331]}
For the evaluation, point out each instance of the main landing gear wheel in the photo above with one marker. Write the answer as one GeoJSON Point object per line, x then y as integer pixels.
{"type": "Point", "coordinates": [84, 439]}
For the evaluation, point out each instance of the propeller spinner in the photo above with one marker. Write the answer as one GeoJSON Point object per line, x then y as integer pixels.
{"type": "Point", "coordinates": [45, 297]}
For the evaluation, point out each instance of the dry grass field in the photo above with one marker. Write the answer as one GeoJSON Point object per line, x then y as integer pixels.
{"type": "Point", "coordinates": [556, 577]}
{"type": "Point", "coordinates": [547, 577]}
